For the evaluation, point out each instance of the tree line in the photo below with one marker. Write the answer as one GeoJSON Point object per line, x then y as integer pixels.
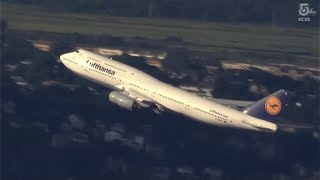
{"type": "Point", "coordinates": [284, 12]}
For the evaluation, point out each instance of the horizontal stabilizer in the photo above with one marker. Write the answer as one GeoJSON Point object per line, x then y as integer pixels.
{"type": "Point", "coordinates": [293, 128]}
{"type": "Point", "coordinates": [262, 125]}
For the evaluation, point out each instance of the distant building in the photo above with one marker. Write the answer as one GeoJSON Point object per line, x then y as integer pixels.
{"type": "Point", "coordinates": [11, 67]}
{"type": "Point", "coordinates": [156, 150]}
{"type": "Point", "coordinates": [80, 138]}
{"type": "Point", "coordinates": [62, 139]}
{"type": "Point", "coordinates": [112, 135]}
{"type": "Point", "coordinates": [19, 80]}
{"type": "Point", "coordinates": [160, 173]}
{"type": "Point", "coordinates": [26, 62]}
{"type": "Point", "coordinates": [109, 52]}
{"type": "Point", "coordinates": [135, 142]}
{"type": "Point", "coordinates": [186, 172]}
{"type": "Point", "coordinates": [76, 121]}
{"type": "Point", "coordinates": [118, 127]}
{"type": "Point", "coordinates": [211, 174]}
{"type": "Point", "coordinates": [41, 45]}
{"type": "Point", "coordinates": [154, 62]}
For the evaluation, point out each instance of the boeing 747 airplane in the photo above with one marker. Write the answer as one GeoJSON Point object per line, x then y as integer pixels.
{"type": "Point", "coordinates": [133, 89]}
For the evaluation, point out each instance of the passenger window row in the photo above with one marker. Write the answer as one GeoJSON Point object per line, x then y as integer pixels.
{"type": "Point", "coordinates": [93, 59]}
{"type": "Point", "coordinates": [219, 118]}
{"type": "Point", "coordinates": [171, 99]}
{"type": "Point", "coordinates": [115, 67]}
{"type": "Point", "coordinates": [139, 87]}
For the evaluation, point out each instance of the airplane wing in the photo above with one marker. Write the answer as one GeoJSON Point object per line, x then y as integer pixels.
{"type": "Point", "coordinates": [141, 99]}
{"type": "Point", "coordinates": [134, 95]}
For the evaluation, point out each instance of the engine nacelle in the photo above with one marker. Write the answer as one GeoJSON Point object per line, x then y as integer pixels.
{"type": "Point", "coordinates": [122, 100]}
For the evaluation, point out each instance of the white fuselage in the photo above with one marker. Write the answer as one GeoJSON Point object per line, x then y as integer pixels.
{"type": "Point", "coordinates": [117, 76]}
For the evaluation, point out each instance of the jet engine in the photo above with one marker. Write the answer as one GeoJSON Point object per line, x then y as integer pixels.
{"type": "Point", "coordinates": [122, 100]}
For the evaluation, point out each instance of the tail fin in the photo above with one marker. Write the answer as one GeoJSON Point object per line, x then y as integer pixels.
{"type": "Point", "coordinates": [269, 107]}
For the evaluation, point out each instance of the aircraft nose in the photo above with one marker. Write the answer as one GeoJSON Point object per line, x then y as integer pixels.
{"type": "Point", "coordinates": [62, 57]}
{"type": "Point", "coordinates": [65, 58]}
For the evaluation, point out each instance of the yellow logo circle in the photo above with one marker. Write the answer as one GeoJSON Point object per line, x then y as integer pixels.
{"type": "Point", "coordinates": [273, 105]}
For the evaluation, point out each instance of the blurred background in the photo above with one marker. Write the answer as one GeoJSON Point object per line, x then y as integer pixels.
{"type": "Point", "coordinates": [56, 125]}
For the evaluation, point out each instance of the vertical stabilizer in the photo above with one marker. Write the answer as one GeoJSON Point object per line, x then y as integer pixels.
{"type": "Point", "coordinates": [268, 108]}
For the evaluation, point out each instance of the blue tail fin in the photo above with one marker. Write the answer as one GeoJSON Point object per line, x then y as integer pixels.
{"type": "Point", "coordinates": [268, 108]}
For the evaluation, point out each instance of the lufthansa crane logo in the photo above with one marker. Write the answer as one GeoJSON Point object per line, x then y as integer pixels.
{"type": "Point", "coordinates": [273, 105]}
